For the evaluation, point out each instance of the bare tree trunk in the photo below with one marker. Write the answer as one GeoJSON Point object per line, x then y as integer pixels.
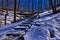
{"type": "Point", "coordinates": [14, 10]}
{"type": "Point", "coordinates": [5, 19]}
{"type": "Point", "coordinates": [49, 5]}
{"type": "Point", "coordinates": [59, 2]}
{"type": "Point", "coordinates": [2, 5]}
{"type": "Point", "coordinates": [19, 5]}
{"type": "Point", "coordinates": [6, 11]}
{"type": "Point", "coordinates": [28, 5]}
{"type": "Point", "coordinates": [0, 22]}
{"type": "Point", "coordinates": [41, 4]}
{"type": "Point", "coordinates": [19, 8]}
{"type": "Point", "coordinates": [45, 5]}
{"type": "Point", "coordinates": [32, 6]}
{"type": "Point", "coordinates": [53, 7]}
{"type": "Point", "coordinates": [38, 8]}
{"type": "Point", "coordinates": [1, 10]}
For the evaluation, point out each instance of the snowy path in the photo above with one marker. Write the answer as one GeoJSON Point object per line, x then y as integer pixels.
{"type": "Point", "coordinates": [47, 25]}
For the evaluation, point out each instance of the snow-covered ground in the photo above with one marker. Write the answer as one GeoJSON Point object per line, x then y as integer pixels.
{"type": "Point", "coordinates": [10, 17]}
{"type": "Point", "coordinates": [47, 27]}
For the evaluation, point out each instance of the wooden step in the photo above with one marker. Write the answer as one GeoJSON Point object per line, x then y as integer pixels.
{"type": "Point", "coordinates": [23, 25]}
{"type": "Point", "coordinates": [21, 28]}
{"type": "Point", "coordinates": [13, 34]}
{"type": "Point", "coordinates": [36, 24]}
{"type": "Point", "coordinates": [8, 39]}
{"type": "Point", "coordinates": [27, 23]}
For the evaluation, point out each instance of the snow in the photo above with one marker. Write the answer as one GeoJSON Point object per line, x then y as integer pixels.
{"type": "Point", "coordinates": [41, 29]}
{"type": "Point", "coordinates": [21, 27]}
{"type": "Point", "coordinates": [37, 33]}
{"type": "Point", "coordinates": [16, 32]}
{"type": "Point", "coordinates": [47, 24]}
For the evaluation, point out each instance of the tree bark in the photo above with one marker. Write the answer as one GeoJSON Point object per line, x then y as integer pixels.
{"type": "Point", "coordinates": [14, 10]}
